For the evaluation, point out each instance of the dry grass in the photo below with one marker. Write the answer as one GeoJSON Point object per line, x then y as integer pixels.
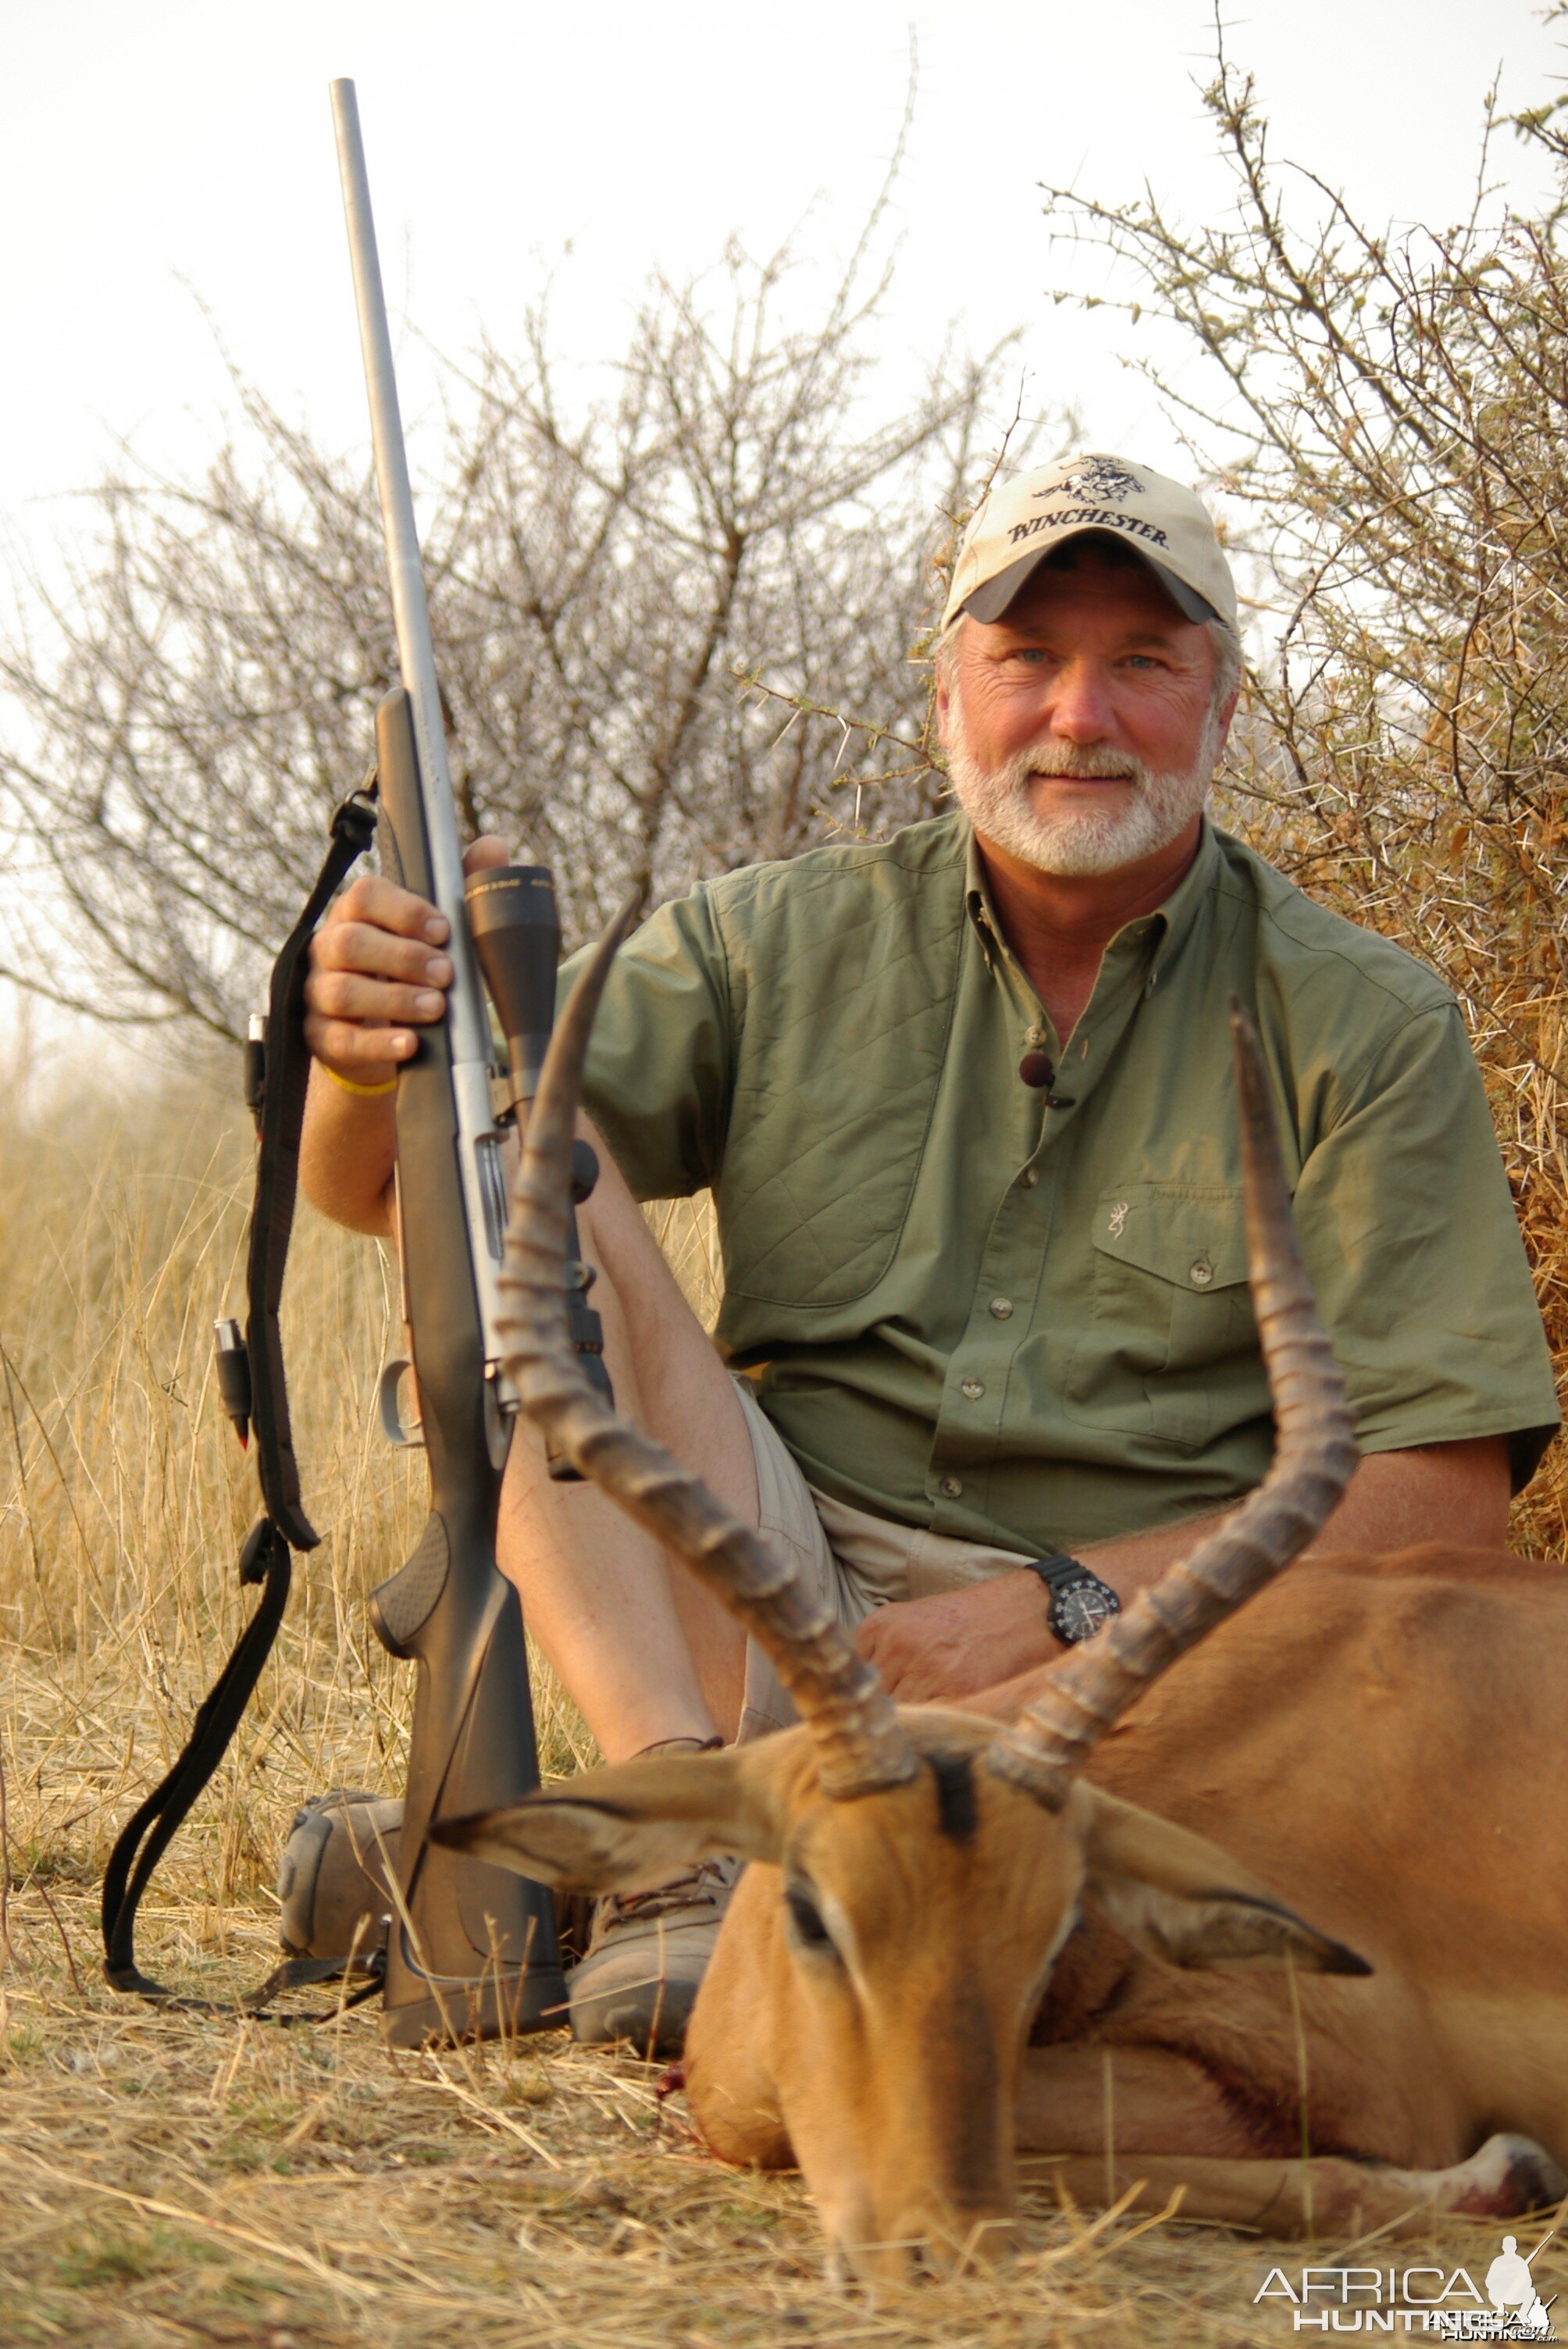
{"type": "Point", "coordinates": [166, 2180]}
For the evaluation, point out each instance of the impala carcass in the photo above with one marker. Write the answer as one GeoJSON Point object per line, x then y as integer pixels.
{"type": "Point", "coordinates": [1321, 1980]}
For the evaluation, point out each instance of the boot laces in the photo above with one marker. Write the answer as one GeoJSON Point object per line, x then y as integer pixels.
{"type": "Point", "coordinates": [703, 1885]}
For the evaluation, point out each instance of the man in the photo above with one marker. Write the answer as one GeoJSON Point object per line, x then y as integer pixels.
{"type": "Point", "coordinates": [965, 1102]}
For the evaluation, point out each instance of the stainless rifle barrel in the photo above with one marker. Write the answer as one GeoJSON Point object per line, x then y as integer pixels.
{"type": "Point", "coordinates": [411, 613]}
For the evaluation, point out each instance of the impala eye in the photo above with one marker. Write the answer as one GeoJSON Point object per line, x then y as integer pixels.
{"type": "Point", "coordinates": [805, 1919]}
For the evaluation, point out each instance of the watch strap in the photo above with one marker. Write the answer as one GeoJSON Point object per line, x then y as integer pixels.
{"type": "Point", "coordinates": [1057, 1569]}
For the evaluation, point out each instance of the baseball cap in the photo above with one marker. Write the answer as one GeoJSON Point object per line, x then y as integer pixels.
{"type": "Point", "coordinates": [1022, 519]}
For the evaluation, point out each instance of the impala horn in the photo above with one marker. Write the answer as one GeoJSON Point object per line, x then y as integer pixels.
{"type": "Point", "coordinates": [861, 1747]}
{"type": "Point", "coordinates": [1315, 1455]}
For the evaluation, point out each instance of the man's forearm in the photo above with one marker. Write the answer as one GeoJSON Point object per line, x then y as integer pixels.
{"type": "Point", "coordinates": [975, 1645]}
{"type": "Point", "coordinates": [347, 1151]}
{"type": "Point", "coordinates": [1456, 1493]}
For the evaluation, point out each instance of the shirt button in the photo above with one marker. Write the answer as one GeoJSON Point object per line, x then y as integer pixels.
{"type": "Point", "coordinates": [1002, 1309]}
{"type": "Point", "coordinates": [1202, 1273]}
{"type": "Point", "coordinates": [952, 1487]}
{"type": "Point", "coordinates": [1034, 1036]}
{"type": "Point", "coordinates": [974, 1389]}
{"type": "Point", "coordinates": [1028, 1178]}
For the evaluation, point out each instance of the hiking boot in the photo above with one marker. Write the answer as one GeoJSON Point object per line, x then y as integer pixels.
{"type": "Point", "coordinates": [646, 1958]}
{"type": "Point", "coordinates": [332, 1878]}
{"type": "Point", "coordinates": [333, 1873]}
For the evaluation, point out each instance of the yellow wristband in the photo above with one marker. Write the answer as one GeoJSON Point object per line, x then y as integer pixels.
{"type": "Point", "coordinates": [366, 1092]}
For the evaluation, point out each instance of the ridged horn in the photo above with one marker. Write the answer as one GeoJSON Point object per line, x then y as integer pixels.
{"type": "Point", "coordinates": [860, 1746]}
{"type": "Point", "coordinates": [1315, 1455]}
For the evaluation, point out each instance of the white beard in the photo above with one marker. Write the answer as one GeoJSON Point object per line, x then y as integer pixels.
{"type": "Point", "coordinates": [998, 802]}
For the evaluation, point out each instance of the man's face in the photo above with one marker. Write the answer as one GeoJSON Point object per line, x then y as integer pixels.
{"type": "Point", "coordinates": [1079, 728]}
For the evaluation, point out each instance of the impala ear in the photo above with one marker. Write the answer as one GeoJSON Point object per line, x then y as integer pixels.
{"type": "Point", "coordinates": [625, 1828]}
{"type": "Point", "coordinates": [1182, 1897]}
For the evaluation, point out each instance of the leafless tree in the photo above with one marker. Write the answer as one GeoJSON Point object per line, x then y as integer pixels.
{"type": "Point", "coordinates": [646, 596]}
{"type": "Point", "coordinates": [1384, 415]}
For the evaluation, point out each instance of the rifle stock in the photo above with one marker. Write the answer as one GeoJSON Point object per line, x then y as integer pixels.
{"type": "Point", "coordinates": [474, 1952]}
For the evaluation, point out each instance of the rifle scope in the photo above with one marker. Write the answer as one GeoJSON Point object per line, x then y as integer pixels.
{"type": "Point", "coordinates": [517, 937]}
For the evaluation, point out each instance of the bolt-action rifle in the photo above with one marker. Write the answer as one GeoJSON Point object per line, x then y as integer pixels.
{"type": "Point", "coordinates": [471, 1949]}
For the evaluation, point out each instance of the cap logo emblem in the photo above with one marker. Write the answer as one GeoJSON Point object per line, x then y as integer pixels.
{"type": "Point", "coordinates": [1095, 477]}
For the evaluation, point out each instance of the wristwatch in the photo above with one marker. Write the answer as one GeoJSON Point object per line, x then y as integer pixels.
{"type": "Point", "coordinates": [1079, 1602]}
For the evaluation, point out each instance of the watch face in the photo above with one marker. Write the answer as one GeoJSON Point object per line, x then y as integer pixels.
{"type": "Point", "coordinates": [1081, 1608]}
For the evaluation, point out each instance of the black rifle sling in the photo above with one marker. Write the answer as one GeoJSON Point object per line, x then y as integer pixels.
{"type": "Point", "coordinates": [266, 1557]}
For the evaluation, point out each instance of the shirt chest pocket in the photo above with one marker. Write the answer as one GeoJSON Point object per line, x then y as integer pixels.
{"type": "Point", "coordinates": [1169, 1347]}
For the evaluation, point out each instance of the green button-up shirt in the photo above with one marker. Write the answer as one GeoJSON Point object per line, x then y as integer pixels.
{"type": "Point", "coordinates": [1025, 1322]}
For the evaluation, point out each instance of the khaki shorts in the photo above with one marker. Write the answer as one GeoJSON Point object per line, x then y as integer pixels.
{"type": "Point", "coordinates": [855, 1561]}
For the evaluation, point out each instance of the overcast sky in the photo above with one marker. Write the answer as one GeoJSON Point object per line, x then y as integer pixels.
{"type": "Point", "coordinates": [150, 156]}
{"type": "Point", "coordinates": [178, 154]}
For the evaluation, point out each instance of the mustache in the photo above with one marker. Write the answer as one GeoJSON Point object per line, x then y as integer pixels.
{"type": "Point", "coordinates": [1082, 763]}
